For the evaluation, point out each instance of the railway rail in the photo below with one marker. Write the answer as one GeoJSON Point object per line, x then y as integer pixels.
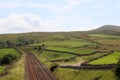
{"type": "Point", "coordinates": [35, 70]}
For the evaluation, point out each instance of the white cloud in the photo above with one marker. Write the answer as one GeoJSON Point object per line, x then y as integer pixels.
{"type": "Point", "coordinates": [59, 17]}
{"type": "Point", "coordinates": [26, 22]}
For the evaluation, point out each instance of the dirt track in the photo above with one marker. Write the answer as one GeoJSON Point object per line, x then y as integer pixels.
{"type": "Point", "coordinates": [34, 70]}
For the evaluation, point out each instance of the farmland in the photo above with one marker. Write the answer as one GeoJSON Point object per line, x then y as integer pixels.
{"type": "Point", "coordinates": [6, 51]}
{"type": "Point", "coordinates": [84, 74]}
{"type": "Point", "coordinates": [55, 55]}
{"type": "Point", "coordinates": [76, 51]}
{"type": "Point", "coordinates": [105, 36]}
{"type": "Point", "coordinates": [111, 59]}
{"type": "Point", "coordinates": [68, 43]}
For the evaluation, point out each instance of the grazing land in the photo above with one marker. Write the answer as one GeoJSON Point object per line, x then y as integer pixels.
{"type": "Point", "coordinates": [6, 51]}
{"type": "Point", "coordinates": [105, 36]}
{"type": "Point", "coordinates": [69, 50]}
{"type": "Point", "coordinates": [84, 74]}
{"type": "Point", "coordinates": [110, 59]}
{"type": "Point", "coordinates": [55, 55]}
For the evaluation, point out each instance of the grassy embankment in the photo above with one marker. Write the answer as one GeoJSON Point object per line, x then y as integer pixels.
{"type": "Point", "coordinates": [15, 70]}
{"type": "Point", "coordinates": [71, 74]}
{"type": "Point", "coordinates": [6, 51]}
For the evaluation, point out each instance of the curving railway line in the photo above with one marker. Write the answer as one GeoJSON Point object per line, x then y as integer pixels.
{"type": "Point", "coordinates": [34, 70]}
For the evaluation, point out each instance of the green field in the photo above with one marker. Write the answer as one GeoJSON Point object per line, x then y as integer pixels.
{"type": "Point", "coordinates": [73, 46]}
{"type": "Point", "coordinates": [76, 51]}
{"type": "Point", "coordinates": [67, 43]}
{"type": "Point", "coordinates": [105, 36]}
{"type": "Point", "coordinates": [55, 55]}
{"type": "Point", "coordinates": [86, 58]}
{"type": "Point", "coordinates": [8, 51]}
{"type": "Point", "coordinates": [110, 59]}
{"type": "Point", "coordinates": [2, 68]}
{"type": "Point", "coordinates": [71, 74]}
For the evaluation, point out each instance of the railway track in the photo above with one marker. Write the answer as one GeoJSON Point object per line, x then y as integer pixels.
{"type": "Point", "coordinates": [34, 70]}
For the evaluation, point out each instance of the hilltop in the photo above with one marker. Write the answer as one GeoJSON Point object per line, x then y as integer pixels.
{"type": "Point", "coordinates": [107, 29]}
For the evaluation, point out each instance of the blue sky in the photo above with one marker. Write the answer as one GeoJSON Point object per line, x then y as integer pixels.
{"type": "Point", "coordinates": [57, 15]}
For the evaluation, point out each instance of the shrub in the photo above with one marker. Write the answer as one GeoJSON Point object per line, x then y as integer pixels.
{"type": "Point", "coordinates": [7, 59]}
{"type": "Point", "coordinates": [117, 70]}
{"type": "Point", "coordinates": [53, 67]}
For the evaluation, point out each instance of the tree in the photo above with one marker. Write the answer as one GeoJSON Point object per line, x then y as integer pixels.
{"type": "Point", "coordinates": [22, 41]}
{"type": "Point", "coordinates": [2, 44]}
{"type": "Point", "coordinates": [7, 59]}
{"type": "Point", "coordinates": [53, 67]}
{"type": "Point", "coordinates": [41, 48]}
{"type": "Point", "coordinates": [117, 70]}
{"type": "Point", "coordinates": [8, 43]}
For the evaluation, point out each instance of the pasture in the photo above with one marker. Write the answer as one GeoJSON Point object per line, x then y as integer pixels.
{"type": "Point", "coordinates": [71, 74]}
{"type": "Point", "coordinates": [110, 59]}
{"type": "Point", "coordinates": [74, 43]}
{"type": "Point", "coordinates": [55, 55]}
{"type": "Point", "coordinates": [105, 36]}
{"type": "Point", "coordinates": [6, 51]}
{"type": "Point", "coordinates": [76, 51]}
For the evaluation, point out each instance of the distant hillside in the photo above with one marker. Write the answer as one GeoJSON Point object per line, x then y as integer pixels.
{"type": "Point", "coordinates": [107, 29]}
{"type": "Point", "coordinates": [23, 39]}
{"type": "Point", "coordinates": [37, 37]}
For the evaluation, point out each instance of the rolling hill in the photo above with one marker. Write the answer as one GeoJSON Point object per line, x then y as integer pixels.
{"type": "Point", "coordinates": [107, 29]}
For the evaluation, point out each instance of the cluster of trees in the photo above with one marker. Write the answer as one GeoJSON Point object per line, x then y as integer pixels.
{"type": "Point", "coordinates": [6, 44]}
{"type": "Point", "coordinates": [40, 48]}
{"type": "Point", "coordinates": [8, 59]}
{"type": "Point", "coordinates": [18, 42]}
{"type": "Point", "coordinates": [24, 41]}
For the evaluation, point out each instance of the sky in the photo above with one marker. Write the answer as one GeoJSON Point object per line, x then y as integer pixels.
{"type": "Point", "coordinates": [18, 16]}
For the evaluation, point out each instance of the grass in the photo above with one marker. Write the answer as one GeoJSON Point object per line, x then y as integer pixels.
{"type": "Point", "coordinates": [110, 59]}
{"type": "Point", "coordinates": [77, 51]}
{"type": "Point", "coordinates": [67, 43]}
{"type": "Point", "coordinates": [16, 71]}
{"type": "Point", "coordinates": [86, 58]}
{"type": "Point", "coordinates": [71, 74]}
{"type": "Point", "coordinates": [55, 55]}
{"type": "Point", "coordinates": [6, 51]}
{"type": "Point", "coordinates": [105, 36]}
{"type": "Point", "coordinates": [2, 69]}
{"type": "Point", "coordinates": [72, 46]}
